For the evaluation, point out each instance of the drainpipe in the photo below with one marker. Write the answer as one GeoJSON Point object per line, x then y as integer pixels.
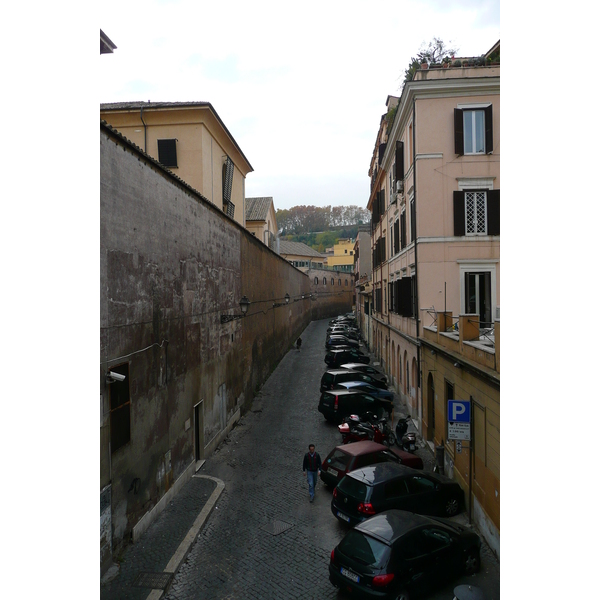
{"type": "Point", "coordinates": [419, 387]}
{"type": "Point", "coordinates": [142, 119]}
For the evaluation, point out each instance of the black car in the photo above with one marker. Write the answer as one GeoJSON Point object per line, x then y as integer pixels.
{"type": "Point", "coordinates": [397, 553]}
{"type": "Point", "coordinates": [373, 489]}
{"type": "Point", "coordinates": [334, 405]}
{"type": "Point", "coordinates": [334, 358]}
{"type": "Point", "coordinates": [349, 333]}
{"type": "Point", "coordinates": [333, 377]}
{"type": "Point", "coordinates": [339, 340]}
{"type": "Point", "coordinates": [368, 369]}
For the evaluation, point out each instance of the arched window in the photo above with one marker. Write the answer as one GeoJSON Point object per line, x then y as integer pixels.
{"type": "Point", "coordinates": [339, 282]}
{"type": "Point", "coordinates": [332, 281]}
{"type": "Point", "coordinates": [345, 282]}
{"type": "Point", "coordinates": [316, 281]}
{"type": "Point", "coordinates": [324, 280]}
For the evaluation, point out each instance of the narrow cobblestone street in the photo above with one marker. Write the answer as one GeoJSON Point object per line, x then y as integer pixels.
{"type": "Point", "coordinates": [264, 539]}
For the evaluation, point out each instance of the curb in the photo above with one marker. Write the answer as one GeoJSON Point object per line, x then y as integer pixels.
{"type": "Point", "coordinates": [186, 544]}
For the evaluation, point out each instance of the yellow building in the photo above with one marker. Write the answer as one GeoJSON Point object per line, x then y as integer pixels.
{"type": "Point", "coordinates": [343, 256]}
{"type": "Point", "coordinates": [190, 139]}
{"type": "Point", "coordinates": [461, 361]}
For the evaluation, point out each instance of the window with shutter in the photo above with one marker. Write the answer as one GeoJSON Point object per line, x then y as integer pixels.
{"type": "Point", "coordinates": [167, 152]}
{"type": "Point", "coordinates": [403, 230]}
{"type": "Point", "coordinates": [396, 236]}
{"type": "Point", "coordinates": [476, 212]}
{"type": "Point", "coordinates": [399, 161]}
{"type": "Point", "coordinates": [413, 222]}
{"type": "Point", "coordinates": [473, 130]}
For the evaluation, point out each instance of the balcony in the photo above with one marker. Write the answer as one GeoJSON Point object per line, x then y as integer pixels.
{"type": "Point", "coordinates": [466, 336]}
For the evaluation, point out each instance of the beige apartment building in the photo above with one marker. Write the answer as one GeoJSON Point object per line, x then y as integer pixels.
{"type": "Point", "coordinates": [435, 204]}
{"type": "Point", "coordinates": [261, 221]}
{"type": "Point", "coordinates": [190, 139]}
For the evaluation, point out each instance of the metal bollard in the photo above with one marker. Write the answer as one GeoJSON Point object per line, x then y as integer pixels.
{"type": "Point", "coordinates": [439, 459]}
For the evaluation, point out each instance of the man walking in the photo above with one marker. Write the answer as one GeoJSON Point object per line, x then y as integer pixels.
{"type": "Point", "coordinates": [311, 466]}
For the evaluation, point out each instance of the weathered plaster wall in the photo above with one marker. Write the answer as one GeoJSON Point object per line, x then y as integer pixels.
{"type": "Point", "coordinates": [171, 265]}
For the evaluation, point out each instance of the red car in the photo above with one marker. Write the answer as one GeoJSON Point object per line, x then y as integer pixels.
{"type": "Point", "coordinates": [349, 457]}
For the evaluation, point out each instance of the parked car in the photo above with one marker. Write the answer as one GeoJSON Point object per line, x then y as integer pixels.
{"type": "Point", "coordinates": [374, 389]}
{"type": "Point", "coordinates": [349, 333]}
{"type": "Point", "coordinates": [332, 379]}
{"type": "Point", "coordinates": [370, 490]}
{"type": "Point", "coordinates": [368, 369]}
{"type": "Point", "coordinates": [334, 405]}
{"type": "Point", "coordinates": [335, 357]}
{"type": "Point", "coordinates": [340, 340]}
{"type": "Point", "coordinates": [348, 457]}
{"type": "Point", "coordinates": [397, 553]}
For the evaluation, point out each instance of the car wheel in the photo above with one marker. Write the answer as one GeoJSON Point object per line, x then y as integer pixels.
{"type": "Point", "coordinates": [403, 595]}
{"type": "Point", "coordinates": [451, 507]}
{"type": "Point", "coordinates": [472, 561]}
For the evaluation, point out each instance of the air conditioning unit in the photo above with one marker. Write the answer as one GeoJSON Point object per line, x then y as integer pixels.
{"type": "Point", "coordinates": [400, 186]}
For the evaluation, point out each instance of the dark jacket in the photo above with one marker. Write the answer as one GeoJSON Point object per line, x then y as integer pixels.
{"type": "Point", "coordinates": [311, 463]}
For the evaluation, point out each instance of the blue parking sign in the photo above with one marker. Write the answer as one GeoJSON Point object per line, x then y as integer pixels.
{"type": "Point", "coordinates": [459, 411]}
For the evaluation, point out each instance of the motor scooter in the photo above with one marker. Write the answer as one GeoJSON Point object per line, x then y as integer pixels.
{"type": "Point", "coordinates": [405, 439]}
{"type": "Point", "coordinates": [354, 429]}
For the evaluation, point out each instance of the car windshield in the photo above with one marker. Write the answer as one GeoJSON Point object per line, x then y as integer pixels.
{"type": "Point", "coordinates": [327, 378]}
{"type": "Point", "coordinates": [338, 460]}
{"type": "Point", "coordinates": [364, 549]}
{"type": "Point", "coordinates": [354, 488]}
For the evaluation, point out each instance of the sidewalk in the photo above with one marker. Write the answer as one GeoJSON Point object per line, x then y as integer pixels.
{"type": "Point", "coordinates": [146, 567]}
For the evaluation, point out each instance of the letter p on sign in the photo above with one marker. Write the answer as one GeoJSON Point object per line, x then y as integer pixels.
{"type": "Point", "coordinates": [459, 411]}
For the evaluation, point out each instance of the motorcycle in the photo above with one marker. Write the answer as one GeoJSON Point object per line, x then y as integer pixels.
{"type": "Point", "coordinates": [405, 439]}
{"type": "Point", "coordinates": [354, 429]}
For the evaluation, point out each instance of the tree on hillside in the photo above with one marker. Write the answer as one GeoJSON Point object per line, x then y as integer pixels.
{"type": "Point", "coordinates": [304, 219]}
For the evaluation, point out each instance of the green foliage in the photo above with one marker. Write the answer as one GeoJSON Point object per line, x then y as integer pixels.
{"type": "Point", "coordinates": [433, 52]}
{"type": "Point", "coordinates": [305, 219]}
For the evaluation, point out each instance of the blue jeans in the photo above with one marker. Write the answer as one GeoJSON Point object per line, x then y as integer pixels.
{"type": "Point", "coordinates": [311, 476]}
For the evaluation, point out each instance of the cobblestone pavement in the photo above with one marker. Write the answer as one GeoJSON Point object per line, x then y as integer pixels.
{"type": "Point", "coordinates": [264, 539]}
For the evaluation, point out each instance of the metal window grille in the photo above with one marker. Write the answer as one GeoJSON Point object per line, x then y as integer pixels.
{"type": "Point", "coordinates": [476, 213]}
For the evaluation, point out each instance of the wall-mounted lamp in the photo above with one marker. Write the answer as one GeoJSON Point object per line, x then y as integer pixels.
{"type": "Point", "coordinates": [244, 306]}
{"type": "Point", "coordinates": [432, 352]}
{"type": "Point", "coordinates": [457, 365]}
{"type": "Point", "coordinates": [287, 301]}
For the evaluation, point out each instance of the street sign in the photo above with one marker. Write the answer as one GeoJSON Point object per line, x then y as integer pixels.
{"type": "Point", "coordinates": [459, 431]}
{"type": "Point", "coordinates": [459, 410]}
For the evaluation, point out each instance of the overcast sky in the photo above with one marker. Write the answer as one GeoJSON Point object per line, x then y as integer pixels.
{"type": "Point", "coordinates": [300, 86]}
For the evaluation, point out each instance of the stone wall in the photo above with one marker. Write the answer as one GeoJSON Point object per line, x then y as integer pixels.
{"type": "Point", "coordinates": [171, 264]}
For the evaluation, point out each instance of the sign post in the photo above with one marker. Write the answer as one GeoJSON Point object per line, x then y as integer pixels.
{"type": "Point", "coordinates": [459, 429]}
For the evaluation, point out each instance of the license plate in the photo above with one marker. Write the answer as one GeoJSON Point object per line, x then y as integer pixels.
{"type": "Point", "coordinates": [343, 516]}
{"type": "Point", "coordinates": [353, 576]}
{"type": "Point", "coordinates": [332, 471]}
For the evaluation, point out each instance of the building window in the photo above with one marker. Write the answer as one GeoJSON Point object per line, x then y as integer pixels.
{"type": "Point", "coordinates": [332, 281]}
{"type": "Point", "coordinates": [316, 281]}
{"type": "Point", "coordinates": [478, 296]}
{"type": "Point", "coordinates": [477, 212]}
{"type": "Point", "coordinates": [167, 152]}
{"type": "Point", "coordinates": [324, 280]}
{"type": "Point", "coordinates": [120, 404]}
{"type": "Point", "coordinates": [340, 282]}
{"type": "Point", "coordinates": [345, 282]}
{"type": "Point", "coordinates": [478, 290]}
{"type": "Point", "coordinates": [473, 130]}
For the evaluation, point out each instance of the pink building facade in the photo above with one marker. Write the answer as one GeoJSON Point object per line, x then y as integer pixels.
{"type": "Point", "coordinates": [435, 205]}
